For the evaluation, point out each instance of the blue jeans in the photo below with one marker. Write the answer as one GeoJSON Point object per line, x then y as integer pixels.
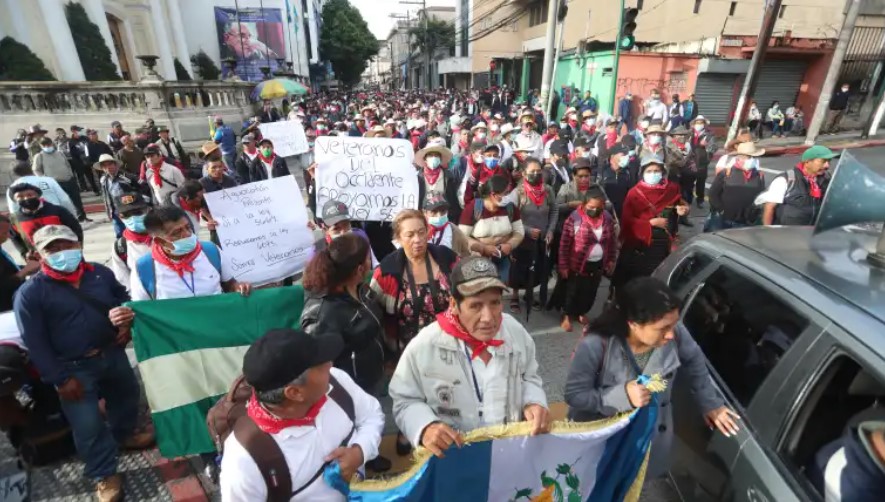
{"type": "Point", "coordinates": [109, 376]}
{"type": "Point", "coordinates": [118, 224]}
{"type": "Point", "coordinates": [503, 264]}
{"type": "Point", "coordinates": [230, 161]}
{"type": "Point", "coordinates": [776, 127]}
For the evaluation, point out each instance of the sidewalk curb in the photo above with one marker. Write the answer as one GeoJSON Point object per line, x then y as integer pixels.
{"type": "Point", "coordinates": [798, 149]}
{"type": "Point", "coordinates": [179, 478]}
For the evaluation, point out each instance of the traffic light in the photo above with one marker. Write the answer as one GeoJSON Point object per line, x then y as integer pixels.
{"type": "Point", "coordinates": [627, 40]}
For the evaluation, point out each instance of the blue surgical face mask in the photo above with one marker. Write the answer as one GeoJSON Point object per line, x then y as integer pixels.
{"type": "Point", "coordinates": [624, 161]}
{"type": "Point", "coordinates": [751, 164]}
{"type": "Point", "coordinates": [65, 261]}
{"type": "Point", "coordinates": [652, 178]}
{"type": "Point", "coordinates": [135, 223]}
{"type": "Point", "coordinates": [438, 221]}
{"type": "Point", "coordinates": [184, 246]}
{"type": "Point", "coordinates": [434, 162]}
{"type": "Point", "coordinates": [491, 162]}
{"type": "Point", "coordinates": [48, 149]}
{"type": "Point", "coordinates": [586, 154]}
{"type": "Point", "coordinates": [654, 139]}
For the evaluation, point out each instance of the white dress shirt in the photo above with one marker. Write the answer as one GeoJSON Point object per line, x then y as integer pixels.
{"type": "Point", "coordinates": [203, 281]}
{"type": "Point", "coordinates": [305, 448]}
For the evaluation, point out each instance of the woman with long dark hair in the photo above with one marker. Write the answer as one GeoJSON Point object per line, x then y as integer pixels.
{"type": "Point", "coordinates": [639, 334]}
{"type": "Point", "coordinates": [337, 299]}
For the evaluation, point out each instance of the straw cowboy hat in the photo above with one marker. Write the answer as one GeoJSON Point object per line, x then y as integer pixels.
{"type": "Point", "coordinates": [444, 152]}
{"type": "Point", "coordinates": [479, 125]}
{"type": "Point", "coordinates": [529, 114]}
{"type": "Point", "coordinates": [376, 131]}
{"type": "Point", "coordinates": [700, 118]}
{"type": "Point", "coordinates": [506, 129]}
{"type": "Point", "coordinates": [655, 128]}
{"type": "Point", "coordinates": [749, 149]}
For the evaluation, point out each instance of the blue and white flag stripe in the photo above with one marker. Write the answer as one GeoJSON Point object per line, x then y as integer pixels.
{"type": "Point", "coordinates": [591, 461]}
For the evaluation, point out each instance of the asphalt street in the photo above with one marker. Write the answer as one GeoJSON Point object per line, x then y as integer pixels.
{"type": "Point", "coordinates": [554, 346]}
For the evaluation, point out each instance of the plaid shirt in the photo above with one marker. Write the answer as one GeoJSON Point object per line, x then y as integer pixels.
{"type": "Point", "coordinates": [578, 239]}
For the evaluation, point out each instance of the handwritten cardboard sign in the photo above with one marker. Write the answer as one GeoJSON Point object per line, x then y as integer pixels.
{"type": "Point", "coordinates": [374, 177]}
{"type": "Point", "coordinates": [263, 230]}
{"type": "Point", "coordinates": [287, 136]}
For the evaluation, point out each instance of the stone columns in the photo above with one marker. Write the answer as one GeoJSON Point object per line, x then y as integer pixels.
{"type": "Point", "coordinates": [181, 50]}
{"type": "Point", "coordinates": [161, 36]}
{"type": "Point", "coordinates": [66, 58]}
{"type": "Point", "coordinates": [97, 15]}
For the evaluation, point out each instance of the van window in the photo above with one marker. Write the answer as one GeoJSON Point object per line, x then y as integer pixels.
{"type": "Point", "coordinates": [845, 396]}
{"type": "Point", "coordinates": [743, 330]}
{"type": "Point", "coordinates": [687, 269]}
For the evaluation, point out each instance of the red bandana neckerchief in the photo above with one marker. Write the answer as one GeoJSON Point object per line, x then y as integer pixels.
{"type": "Point", "coordinates": [583, 186]}
{"type": "Point", "coordinates": [610, 139]}
{"type": "Point", "coordinates": [135, 237]}
{"type": "Point", "coordinates": [183, 264]}
{"type": "Point", "coordinates": [155, 172]}
{"type": "Point", "coordinates": [71, 278]}
{"type": "Point", "coordinates": [813, 188]}
{"type": "Point", "coordinates": [536, 194]}
{"type": "Point", "coordinates": [452, 326]}
{"type": "Point", "coordinates": [593, 222]}
{"type": "Point", "coordinates": [739, 165]}
{"type": "Point", "coordinates": [660, 186]}
{"type": "Point", "coordinates": [434, 230]}
{"type": "Point", "coordinates": [187, 207]}
{"type": "Point", "coordinates": [573, 124]}
{"type": "Point", "coordinates": [267, 160]}
{"type": "Point", "coordinates": [590, 129]}
{"type": "Point", "coordinates": [679, 144]}
{"type": "Point", "coordinates": [270, 424]}
{"type": "Point", "coordinates": [432, 175]}
{"type": "Point", "coordinates": [653, 148]}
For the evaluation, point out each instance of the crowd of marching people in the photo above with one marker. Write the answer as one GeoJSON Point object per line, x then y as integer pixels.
{"type": "Point", "coordinates": [511, 204]}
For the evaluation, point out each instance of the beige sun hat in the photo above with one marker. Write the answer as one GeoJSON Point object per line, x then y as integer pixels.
{"type": "Point", "coordinates": [376, 131]}
{"type": "Point", "coordinates": [749, 149]}
{"type": "Point", "coordinates": [444, 152]}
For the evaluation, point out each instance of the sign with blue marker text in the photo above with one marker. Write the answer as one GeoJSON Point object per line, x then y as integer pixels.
{"type": "Point", "coordinates": [374, 177]}
{"type": "Point", "coordinates": [262, 228]}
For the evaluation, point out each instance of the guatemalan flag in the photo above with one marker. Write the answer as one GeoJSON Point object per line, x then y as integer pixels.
{"type": "Point", "coordinates": [591, 461]}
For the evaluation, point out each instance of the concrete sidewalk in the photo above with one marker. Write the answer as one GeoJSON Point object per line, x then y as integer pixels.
{"type": "Point", "coordinates": [795, 145]}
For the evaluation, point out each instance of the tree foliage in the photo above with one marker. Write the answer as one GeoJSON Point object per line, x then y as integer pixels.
{"type": "Point", "coordinates": [181, 73]}
{"type": "Point", "coordinates": [18, 63]}
{"type": "Point", "coordinates": [204, 66]}
{"type": "Point", "coordinates": [346, 41]}
{"type": "Point", "coordinates": [440, 35]}
{"type": "Point", "coordinates": [95, 57]}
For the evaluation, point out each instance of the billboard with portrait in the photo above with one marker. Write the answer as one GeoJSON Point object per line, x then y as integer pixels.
{"type": "Point", "coordinates": [254, 37]}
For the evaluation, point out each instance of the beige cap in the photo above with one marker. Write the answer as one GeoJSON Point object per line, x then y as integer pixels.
{"type": "Point", "coordinates": [51, 233]}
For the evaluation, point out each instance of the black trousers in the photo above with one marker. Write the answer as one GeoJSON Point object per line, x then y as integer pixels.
{"type": "Point", "coordinates": [581, 289]}
{"type": "Point", "coordinates": [85, 176]}
{"type": "Point", "coordinates": [700, 185]}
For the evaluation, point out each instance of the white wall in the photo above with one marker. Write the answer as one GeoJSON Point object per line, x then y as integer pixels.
{"type": "Point", "coordinates": [199, 20]}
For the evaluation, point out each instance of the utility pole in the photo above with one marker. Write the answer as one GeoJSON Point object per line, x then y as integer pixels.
{"type": "Point", "coordinates": [617, 62]}
{"type": "Point", "coordinates": [400, 17]}
{"type": "Point", "coordinates": [423, 4]}
{"type": "Point", "coordinates": [549, 49]}
{"type": "Point", "coordinates": [868, 126]}
{"type": "Point", "coordinates": [560, 27]}
{"type": "Point", "coordinates": [826, 92]}
{"type": "Point", "coordinates": [769, 18]}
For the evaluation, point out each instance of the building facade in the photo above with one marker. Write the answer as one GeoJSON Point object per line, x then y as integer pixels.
{"type": "Point", "coordinates": [169, 29]}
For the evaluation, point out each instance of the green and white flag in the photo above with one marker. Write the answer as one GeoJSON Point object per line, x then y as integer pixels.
{"type": "Point", "coordinates": [190, 350]}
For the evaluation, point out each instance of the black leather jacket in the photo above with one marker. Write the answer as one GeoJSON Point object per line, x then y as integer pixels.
{"type": "Point", "coordinates": [358, 322]}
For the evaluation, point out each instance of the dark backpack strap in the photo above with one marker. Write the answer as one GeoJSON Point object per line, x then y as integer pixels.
{"type": "Point", "coordinates": [268, 457]}
{"type": "Point", "coordinates": [343, 399]}
{"type": "Point", "coordinates": [121, 248]}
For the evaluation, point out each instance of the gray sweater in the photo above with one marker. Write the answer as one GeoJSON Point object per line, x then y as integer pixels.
{"type": "Point", "coordinates": [55, 165]}
{"type": "Point", "coordinates": [542, 217]}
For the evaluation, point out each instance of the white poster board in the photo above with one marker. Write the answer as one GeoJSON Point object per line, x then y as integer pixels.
{"type": "Point", "coordinates": [374, 177]}
{"type": "Point", "coordinates": [287, 136]}
{"type": "Point", "coordinates": [262, 228]}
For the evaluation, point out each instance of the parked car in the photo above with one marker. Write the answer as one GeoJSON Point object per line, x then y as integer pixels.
{"type": "Point", "coordinates": [793, 328]}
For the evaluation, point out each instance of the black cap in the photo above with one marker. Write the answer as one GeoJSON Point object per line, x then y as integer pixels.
{"type": "Point", "coordinates": [76, 128]}
{"type": "Point", "coordinates": [282, 355]}
{"type": "Point", "coordinates": [582, 141]}
{"type": "Point", "coordinates": [616, 149]}
{"type": "Point", "coordinates": [129, 201]}
{"type": "Point", "coordinates": [559, 147]}
{"type": "Point", "coordinates": [582, 163]}
{"type": "Point", "coordinates": [152, 149]}
{"type": "Point", "coordinates": [435, 201]}
{"type": "Point", "coordinates": [492, 147]}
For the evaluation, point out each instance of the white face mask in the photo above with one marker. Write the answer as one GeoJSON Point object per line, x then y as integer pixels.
{"type": "Point", "coordinates": [654, 140]}
{"type": "Point", "coordinates": [644, 124]}
{"type": "Point", "coordinates": [699, 127]}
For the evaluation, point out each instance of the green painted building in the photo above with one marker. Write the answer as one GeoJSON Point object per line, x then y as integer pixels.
{"type": "Point", "coordinates": [588, 72]}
